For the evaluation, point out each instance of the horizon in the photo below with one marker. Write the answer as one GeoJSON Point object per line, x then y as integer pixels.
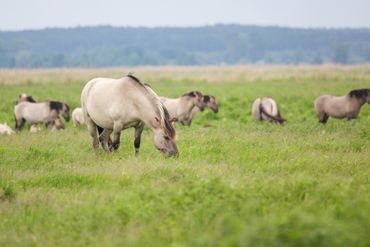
{"type": "Point", "coordinates": [184, 27]}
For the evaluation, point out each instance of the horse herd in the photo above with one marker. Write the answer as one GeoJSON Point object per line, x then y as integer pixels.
{"type": "Point", "coordinates": [109, 106]}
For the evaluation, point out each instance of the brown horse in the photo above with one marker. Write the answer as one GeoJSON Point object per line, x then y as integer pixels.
{"type": "Point", "coordinates": [347, 106]}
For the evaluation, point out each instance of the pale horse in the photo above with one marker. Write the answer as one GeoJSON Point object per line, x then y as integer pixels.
{"type": "Point", "coordinates": [57, 123]}
{"type": "Point", "coordinates": [266, 109]}
{"type": "Point", "coordinates": [112, 105]}
{"type": "Point", "coordinates": [180, 109]}
{"type": "Point", "coordinates": [47, 112]}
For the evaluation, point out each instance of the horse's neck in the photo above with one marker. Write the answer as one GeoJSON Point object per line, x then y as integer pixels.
{"type": "Point", "coordinates": [355, 102]}
{"type": "Point", "coordinates": [186, 106]}
{"type": "Point", "coordinates": [151, 110]}
{"type": "Point", "coordinates": [194, 111]}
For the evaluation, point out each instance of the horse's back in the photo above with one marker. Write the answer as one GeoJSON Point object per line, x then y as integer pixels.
{"type": "Point", "coordinates": [334, 106]}
{"type": "Point", "coordinates": [33, 112]}
{"type": "Point", "coordinates": [269, 104]}
{"type": "Point", "coordinates": [105, 100]}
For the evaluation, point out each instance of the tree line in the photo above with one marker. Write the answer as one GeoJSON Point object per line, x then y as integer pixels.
{"type": "Point", "coordinates": [103, 46]}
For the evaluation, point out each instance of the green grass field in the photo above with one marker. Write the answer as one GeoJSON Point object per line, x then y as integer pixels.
{"type": "Point", "coordinates": [236, 183]}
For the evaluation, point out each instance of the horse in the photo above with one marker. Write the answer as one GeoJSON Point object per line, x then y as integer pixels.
{"type": "Point", "coordinates": [112, 105]}
{"type": "Point", "coordinates": [57, 124]}
{"type": "Point", "coordinates": [347, 106]}
{"type": "Point", "coordinates": [5, 129]}
{"type": "Point", "coordinates": [78, 116]}
{"type": "Point", "coordinates": [266, 109]}
{"type": "Point", "coordinates": [209, 101]}
{"type": "Point", "coordinates": [180, 109]}
{"type": "Point", "coordinates": [44, 112]}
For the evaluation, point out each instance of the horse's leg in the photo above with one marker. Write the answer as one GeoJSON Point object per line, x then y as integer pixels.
{"type": "Point", "coordinates": [323, 118]}
{"type": "Point", "coordinates": [91, 126]}
{"type": "Point", "coordinates": [104, 139]}
{"type": "Point", "coordinates": [19, 123]}
{"type": "Point", "coordinates": [138, 130]}
{"type": "Point", "coordinates": [117, 128]}
{"type": "Point", "coordinates": [101, 135]}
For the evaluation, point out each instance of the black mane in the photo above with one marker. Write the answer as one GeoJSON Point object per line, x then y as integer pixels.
{"type": "Point", "coordinates": [30, 99]}
{"type": "Point", "coordinates": [359, 93]}
{"type": "Point", "coordinates": [206, 98]}
{"type": "Point", "coordinates": [134, 78]}
{"type": "Point", "coordinates": [192, 94]}
{"type": "Point", "coordinates": [55, 105]}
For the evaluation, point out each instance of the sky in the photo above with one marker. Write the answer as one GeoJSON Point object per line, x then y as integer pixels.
{"type": "Point", "coordinates": [38, 14]}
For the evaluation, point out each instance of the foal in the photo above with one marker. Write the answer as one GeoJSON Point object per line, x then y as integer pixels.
{"type": "Point", "coordinates": [347, 106]}
{"type": "Point", "coordinates": [180, 109]}
{"type": "Point", "coordinates": [78, 116]}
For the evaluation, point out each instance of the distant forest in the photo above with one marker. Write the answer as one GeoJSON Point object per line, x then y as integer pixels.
{"type": "Point", "coordinates": [104, 46]}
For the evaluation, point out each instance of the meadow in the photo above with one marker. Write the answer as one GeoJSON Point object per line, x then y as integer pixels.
{"type": "Point", "coordinates": [237, 182]}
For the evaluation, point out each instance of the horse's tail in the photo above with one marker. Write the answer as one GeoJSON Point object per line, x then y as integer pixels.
{"type": "Point", "coordinates": [277, 119]}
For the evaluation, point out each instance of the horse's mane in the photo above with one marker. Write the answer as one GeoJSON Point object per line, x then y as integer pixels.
{"type": "Point", "coordinates": [162, 111]}
{"type": "Point", "coordinates": [57, 105]}
{"type": "Point", "coordinates": [193, 94]}
{"type": "Point", "coordinates": [359, 93]}
{"type": "Point", "coordinates": [135, 78]}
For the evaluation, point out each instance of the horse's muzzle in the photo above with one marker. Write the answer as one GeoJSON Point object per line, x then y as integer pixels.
{"type": "Point", "coordinates": [170, 154]}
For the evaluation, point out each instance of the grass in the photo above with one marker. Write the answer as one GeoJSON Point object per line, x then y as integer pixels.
{"type": "Point", "coordinates": [237, 183]}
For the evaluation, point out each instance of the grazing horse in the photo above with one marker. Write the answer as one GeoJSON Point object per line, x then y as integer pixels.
{"type": "Point", "coordinates": [78, 116]}
{"type": "Point", "coordinates": [5, 129]}
{"type": "Point", "coordinates": [112, 105]}
{"type": "Point", "coordinates": [44, 112]}
{"type": "Point", "coordinates": [347, 106]}
{"type": "Point", "coordinates": [209, 101]}
{"type": "Point", "coordinates": [180, 109]}
{"type": "Point", "coordinates": [266, 109]}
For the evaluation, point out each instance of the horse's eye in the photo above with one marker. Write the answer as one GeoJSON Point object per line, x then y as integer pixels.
{"type": "Point", "coordinates": [167, 138]}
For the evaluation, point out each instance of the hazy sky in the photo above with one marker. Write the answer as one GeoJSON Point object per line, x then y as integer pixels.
{"type": "Point", "coordinates": [35, 14]}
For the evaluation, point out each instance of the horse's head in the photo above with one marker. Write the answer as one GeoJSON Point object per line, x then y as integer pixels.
{"type": "Point", "coordinates": [65, 112]}
{"type": "Point", "coordinates": [61, 108]}
{"type": "Point", "coordinates": [165, 136]}
{"type": "Point", "coordinates": [197, 98]}
{"type": "Point", "coordinates": [361, 94]}
{"type": "Point", "coordinates": [210, 101]}
{"type": "Point", "coordinates": [25, 98]}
